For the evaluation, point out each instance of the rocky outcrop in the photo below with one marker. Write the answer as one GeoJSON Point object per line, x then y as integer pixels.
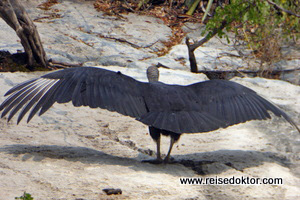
{"type": "Point", "coordinates": [74, 153]}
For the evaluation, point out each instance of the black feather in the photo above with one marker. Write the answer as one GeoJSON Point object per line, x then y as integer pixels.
{"type": "Point", "coordinates": [200, 107]}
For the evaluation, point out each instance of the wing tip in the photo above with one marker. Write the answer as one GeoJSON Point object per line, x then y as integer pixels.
{"type": "Point", "coordinates": [293, 124]}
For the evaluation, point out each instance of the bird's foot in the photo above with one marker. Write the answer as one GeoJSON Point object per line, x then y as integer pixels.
{"type": "Point", "coordinates": [155, 161]}
{"type": "Point", "coordinates": [169, 160]}
{"type": "Point", "coordinates": [161, 161]}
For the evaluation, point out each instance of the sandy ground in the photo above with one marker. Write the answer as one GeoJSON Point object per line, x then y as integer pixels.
{"type": "Point", "coordinates": [74, 153]}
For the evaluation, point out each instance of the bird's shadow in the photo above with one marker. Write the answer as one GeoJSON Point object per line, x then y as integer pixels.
{"type": "Point", "coordinates": [218, 161]}
{"type": "Point", "coordinates": [215, 162]}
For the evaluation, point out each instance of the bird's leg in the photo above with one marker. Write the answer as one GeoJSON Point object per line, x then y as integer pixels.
{"type": "Point", "coordinates": [174, 138]}
{"type": "Point", "coordinates": [158, 156]}
{"type": "Point", "coordinates": [155, 134]}
{"type": "Point", "coordinates": [158, 159]}
{"type": "Point", "coordinates": [167, 158]}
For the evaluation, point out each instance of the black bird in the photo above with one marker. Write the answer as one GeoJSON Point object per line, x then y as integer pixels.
{"type": "Point", "coordinates": [167, 109]}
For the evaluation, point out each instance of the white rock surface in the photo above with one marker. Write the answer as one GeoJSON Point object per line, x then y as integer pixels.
{"type": "Point", "coordinates": [80, 34]}
{"type": "Point", "coordinates": [74, 32]}
{"type": "Point", "coordinates": [73, 153]}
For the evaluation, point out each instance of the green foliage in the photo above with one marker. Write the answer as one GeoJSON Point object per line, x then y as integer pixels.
{"type": "Point", "coordinates": [259, 23]}
{"type": "Point", "coordinates": [257, 14]}
{"type": "Point", "coordinates": [25, 196]}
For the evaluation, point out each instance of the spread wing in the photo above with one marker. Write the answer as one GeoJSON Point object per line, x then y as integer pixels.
{"type": "Point", "coordinates": [205, 106]}
{"type": "Point", "coordinates": [200, 107]}
{"type": "Point", "coordinates": [84, 86]}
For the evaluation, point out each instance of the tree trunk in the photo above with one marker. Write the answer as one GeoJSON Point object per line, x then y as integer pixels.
{"type": "Point", "coordinates": [193, 47]}
{"type": "Point", "coordinates": [15, 15]}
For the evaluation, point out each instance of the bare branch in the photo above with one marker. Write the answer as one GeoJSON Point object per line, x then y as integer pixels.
{"type": "Point", "coordinates": [281, 8]}
{"type": "Point", "coordinates": [193, 47]}
{"type": "Point", "coordinates": [209, 36]}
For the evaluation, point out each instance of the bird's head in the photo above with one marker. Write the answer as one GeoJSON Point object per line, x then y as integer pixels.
{"type": "Point", "coordinates": [152, 74]}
